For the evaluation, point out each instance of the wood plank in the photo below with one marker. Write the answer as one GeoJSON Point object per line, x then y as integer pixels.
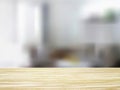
{"type": "Point", "coordinates": [60, 79]}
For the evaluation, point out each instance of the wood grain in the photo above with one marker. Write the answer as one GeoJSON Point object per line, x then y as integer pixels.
{"type": "Point", "coordinates": [60, 79]}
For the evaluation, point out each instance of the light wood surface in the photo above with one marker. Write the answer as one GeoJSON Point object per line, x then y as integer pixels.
{"type": "Point", "coordinates": [60, 79]}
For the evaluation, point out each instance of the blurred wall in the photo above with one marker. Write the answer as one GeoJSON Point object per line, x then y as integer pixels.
{"type": "Point", "coordinates": [65, 22]}
{"type": "Point", "coordinates": [8, 45]}
{"type": "Point", "coordinates": [7, 20]}
{"type": "Point", "coordinates": [19, 25]}
{"type": "Point", "coordinates": [66, 26]}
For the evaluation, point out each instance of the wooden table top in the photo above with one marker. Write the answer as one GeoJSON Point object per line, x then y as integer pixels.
{"type": "Point", "coordinates": [60, 79]}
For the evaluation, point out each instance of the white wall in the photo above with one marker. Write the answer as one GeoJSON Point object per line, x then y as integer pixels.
{"type": "Point", "coordinates": [18, 25]}
{"type": "Point", "coordinates": [7, 19]}
{"type": "Point", "coordinates": [66, 27]}
{"type": "Point", "coordinates": [105, 33]}
{"type": "Point", "coordinates": [7, 32]}
{"type": "Point", "coordinates": [64, 22]}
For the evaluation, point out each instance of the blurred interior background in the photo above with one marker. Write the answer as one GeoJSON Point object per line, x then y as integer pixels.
{"type": "Point", "coordinates": [59, 33]}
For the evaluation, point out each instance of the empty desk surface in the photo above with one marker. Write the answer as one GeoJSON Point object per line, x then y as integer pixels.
{"type": "Point", "coordinates": [60, 79]}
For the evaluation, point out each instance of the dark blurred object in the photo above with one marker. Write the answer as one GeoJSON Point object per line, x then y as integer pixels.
{"type": "Point", "coordinates": [60, 53]}
{"type": "Point", "coordinates": [116, 54]}
{"type": "Point", "coordinates": [40, 57]}
{"type": "Point", "coordinates": [110, 56]}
